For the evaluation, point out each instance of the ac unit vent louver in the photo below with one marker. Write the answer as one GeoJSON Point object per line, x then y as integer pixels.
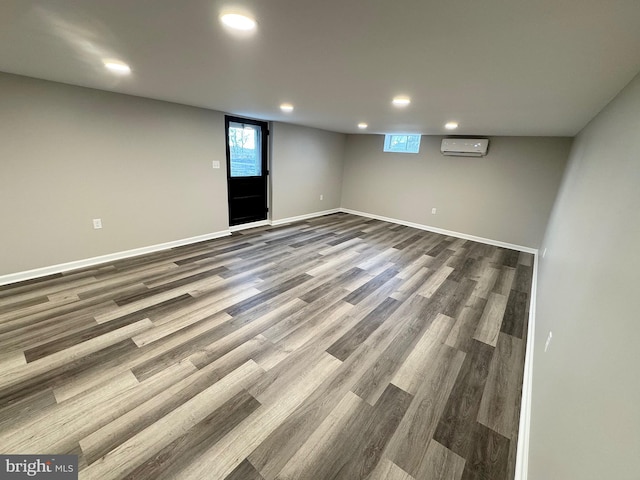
{"type": "Point", "coordinates": [464, 147]}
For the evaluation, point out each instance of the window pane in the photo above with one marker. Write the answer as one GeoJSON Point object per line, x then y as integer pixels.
{"type": "Point", "coordinates": [402, 143]}
{"type": "Point", "coordinates": [244, 147]}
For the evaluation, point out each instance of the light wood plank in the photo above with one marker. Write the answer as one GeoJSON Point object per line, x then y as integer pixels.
{"type": "Point", "coordinates": [161, 331]}
{"type": "Point", "coordinates": [15, 375]}
{"type": "Point", "coordinates": [67, 422]}
{"type": "Point", "coordinates": [328, 433]}
{"type": "Point", "coordinates": [499, 408]}
{"type": "Point", "coordinates": [414, 370]}
{"type": "Point", "coordinates": [407, 447]}
{"type": "Point", "coordinates": [226, 455]}
{"type": "Point", "coordinates": [12, 359]}
{"type": "Point", "coordinates": [491, 320]}
{"type": "Point", "coordinates": [161, 297]}
{"type": "Point", "coordinates": [387, 470]}
{"type": "Point", "coordinates": [434, 282]}
{"type": "Point", "coordinates": [315, 313]}
{"type": "Point", "coordinates": [128, 455]}
{"type": "Point", "coordinates": [440, 463]}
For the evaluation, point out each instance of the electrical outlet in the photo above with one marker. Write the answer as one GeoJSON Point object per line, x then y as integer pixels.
{"type": "Point", "coordinates": [546, 344]}
{"type": "Point", "coordinates": [216, 164]}
{"type": "Point", "coordinates": [321, 197]}
{"type": "Point", "coordinates": [97, 223]}
{"type": "Point", "coordinates": [433, 211]}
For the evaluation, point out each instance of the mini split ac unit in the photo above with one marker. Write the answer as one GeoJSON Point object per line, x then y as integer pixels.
{"type": "Point", "coordinates": [464, 147]}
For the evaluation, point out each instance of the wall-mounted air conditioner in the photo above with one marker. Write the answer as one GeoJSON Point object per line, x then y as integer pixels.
{"type": "Point", "coordinates": [464, 147]}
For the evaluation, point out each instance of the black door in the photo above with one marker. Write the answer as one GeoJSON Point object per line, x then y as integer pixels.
{"type": "Point", "coordinates": [246, 169]}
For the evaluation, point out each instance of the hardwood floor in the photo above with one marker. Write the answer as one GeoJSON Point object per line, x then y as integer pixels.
{"type": "Point", "coordinates": [338, 347]}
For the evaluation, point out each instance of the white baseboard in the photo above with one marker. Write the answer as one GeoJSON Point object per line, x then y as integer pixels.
{"type": "Point", "coordinates": [522, 458]}
{"type": "Point", "coordinates": [245, 226]}
{"type": "Point", "coordinates": [450, 233]}
{"type": "Point", "coordinates": [307, 216]}
{"type": "Point", "coordinates": [524, 429]}
{"type": "Point", "coordinates": [522, 453]}
{"type": "Point", "coordinates": [88, 262]}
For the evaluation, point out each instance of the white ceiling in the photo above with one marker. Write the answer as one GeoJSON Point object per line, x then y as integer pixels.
{"type": "Point", "coordinates": [498, 67]}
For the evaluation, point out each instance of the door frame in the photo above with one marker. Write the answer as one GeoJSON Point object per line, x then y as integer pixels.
{"type": "Point", "coordinates": [265, 146]}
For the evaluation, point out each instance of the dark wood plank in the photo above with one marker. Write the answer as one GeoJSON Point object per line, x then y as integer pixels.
{"type": "Point", "coordinates": [489, 455]}
{"type": "Point", "coordinates": [25, 406]}
{"type": "Point", "coordinates": [15, 306]}
{"type": "Point", "coordinates": [522, 282]}
{"type": "Point", "coordinates": [439, 248]}
{"type": "Point", "coordinates": [337, 282]}
{"type": "Point", "coordinates": [325, 237]}
{"type": "Point", "coordinates": [355, 334]}
{"type": "Point", "coordinates": [77, 337]}
{"type": "Point", "coordinates": [345, 345]}
{"type": "Point", "coordinates": [407, 448]}
{"type": "Point", "coordinates": [16, 287]}
{"type": "Point", "coordinates": [511, 258]}
{"type": "Point", "coordinates": [244, 471]}
{"type": "Point", "coordinates": [356, 442]}
{"type": "Point", "coordinates": [371, 286]}
{"type": "Point", "coordinates": [204, 256]}
{"type": "Point", "coordinates": [461, 272]}
{"type": "Point", "coordinates": [125, 300]}
{"type": "Point", "coordinates": [516, 314]}
{"type": "Point", "coordinates": [362, 448]}
{"type": "Point", "coordinates": [168, 462]}
{"type": "Point", "coordinates": [266, 295]}
{"type": "Point", "coordinates": [459, 417]}
{"type": "Point", "coordinates": [460, 297]}
{"type": "Point", "coordinates": [375, 379]}
{"type": "Point", "coordinates": [59, 375]}
{"type": "Point", "coordinates": [461, 336]}
{"type": "Point", "coordinates": [405, 243]}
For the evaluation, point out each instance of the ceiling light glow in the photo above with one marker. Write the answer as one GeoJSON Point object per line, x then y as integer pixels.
{"type": "Point", "coordinates": [238, 22]}
{"type": "Point", "coordinates": [362, 126]}
{"type": "Point", "coordinates": [286, 107]}
{"type": "Point", "coordinates": [117, 67]}
{"type": "Point", "coordinates": [451, 125]}
{"type": "Point", "coordinates": [401, 101]}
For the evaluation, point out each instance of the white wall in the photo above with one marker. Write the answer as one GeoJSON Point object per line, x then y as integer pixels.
{"type": "Point", "coordinates": [71, 154]}
{"type": "Point", "coordinates": [506, 196]}
{"type": "Point", "coordinates": [305, 163]}
{"type": "Point", "coordinates": [586, 388]}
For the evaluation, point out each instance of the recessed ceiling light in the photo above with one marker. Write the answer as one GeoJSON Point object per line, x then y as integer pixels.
{"type": "Point", "coordinates": [286, 107]}
{"type": "Point", "coordinates": [401, 101]}
{"type": "Point", "coordinates": [451, 125]}
{"type": "Point", "coordinates": [362, 126]}
{"type": "Point", "coordinates": [238, 21]}
{"type": "Point", "coordinates": [117, 67]}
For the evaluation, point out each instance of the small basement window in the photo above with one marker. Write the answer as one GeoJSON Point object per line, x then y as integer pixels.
{"type": "Point", "coordinates": [402, 143]}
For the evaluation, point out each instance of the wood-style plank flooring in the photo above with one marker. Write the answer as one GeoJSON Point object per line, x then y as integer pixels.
{"type": "Point", "coordinates": [335, 348]}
